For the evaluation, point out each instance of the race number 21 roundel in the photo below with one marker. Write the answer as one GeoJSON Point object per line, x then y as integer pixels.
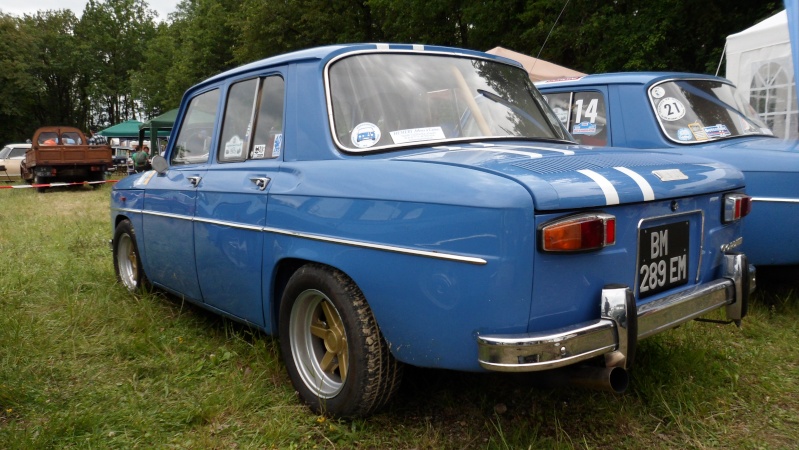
{"type": "Point", "coordinates": [671, 109]}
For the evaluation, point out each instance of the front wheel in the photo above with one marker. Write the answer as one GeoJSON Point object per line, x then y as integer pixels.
{"type": "Point", "coordinates": [127, 263]}
{"type": "Point", "coordinates": [337, 359]}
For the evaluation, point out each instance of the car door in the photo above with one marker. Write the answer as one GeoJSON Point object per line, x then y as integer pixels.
{"type": "Point", "coordinates": [170, 200]}
{"type": "Point", "coordinates": [232, 198]}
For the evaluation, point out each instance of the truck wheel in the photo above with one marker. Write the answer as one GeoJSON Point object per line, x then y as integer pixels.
{"type": "Point", "coordinates": [337, 359]}
{"type": "Point", "coordinates": [39, 180]}
{"type": "Point", "coordinates": [127, 263]}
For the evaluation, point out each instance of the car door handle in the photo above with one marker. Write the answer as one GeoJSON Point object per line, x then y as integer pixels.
{"type": "Point", "coordinates": [195, 180]}
{"type": "Point", "coordinates": [261, 182]}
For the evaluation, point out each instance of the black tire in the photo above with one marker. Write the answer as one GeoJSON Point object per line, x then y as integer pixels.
{"type": "Point", "coordinates": [334, 352]}
{"type": "Point", "coordinates": [127, 263]}
{"type": "Point", "coordinates": [38, 180]}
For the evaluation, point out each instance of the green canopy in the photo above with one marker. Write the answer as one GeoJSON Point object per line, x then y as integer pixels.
{"type": "Point", "coordinates": [127, 129]}
{"type": "Point", "coordinates": [159, 126]}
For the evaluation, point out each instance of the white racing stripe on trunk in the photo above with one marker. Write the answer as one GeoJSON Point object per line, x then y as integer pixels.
{"type": "Point", "coordinates": [646, 188]}
{"type": "Point", "coordinates": [611, 196]}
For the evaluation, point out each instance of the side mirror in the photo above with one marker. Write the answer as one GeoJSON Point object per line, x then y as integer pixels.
{"type": "Point", "coordinates": [159, 164]}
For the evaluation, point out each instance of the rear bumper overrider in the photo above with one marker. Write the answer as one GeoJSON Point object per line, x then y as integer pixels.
{"type": "Point", "coordinates": [616, 333]}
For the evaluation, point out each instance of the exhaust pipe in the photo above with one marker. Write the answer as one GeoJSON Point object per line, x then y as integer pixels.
{"type": "Point", "coordinates": [609, 379]}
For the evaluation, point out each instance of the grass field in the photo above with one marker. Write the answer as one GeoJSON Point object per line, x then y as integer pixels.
{"type": "Point", "coordinates": [83, 364]}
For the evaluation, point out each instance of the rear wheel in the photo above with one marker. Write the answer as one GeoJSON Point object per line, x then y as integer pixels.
{"type": "Point", "coordinates": [335, 354]}
{"type": "Point", "coordinates": [127, 263]}
{"type": "Point", "coordinates": [39, 180]}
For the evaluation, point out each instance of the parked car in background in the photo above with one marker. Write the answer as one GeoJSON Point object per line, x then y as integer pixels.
{"type": "Point", "coordinates": [121, 156]}
{"type": "Point", "coordinates": [377, 205]}
{"type": "Point", "coordinates": [10, 158]}
{"type": "Point", "coordinates": [699, 115]}
{"type": "Point", "coordinates": [61, 154]}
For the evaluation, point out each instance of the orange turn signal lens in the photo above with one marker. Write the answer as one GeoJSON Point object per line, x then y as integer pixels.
{"type": "Point", "coordinates": [579, 233]}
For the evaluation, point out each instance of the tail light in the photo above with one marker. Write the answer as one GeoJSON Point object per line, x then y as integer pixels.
{"type": "Point", "coordinates": [579, 233]}
{"type": "Point", "coordinates": [736, 207]}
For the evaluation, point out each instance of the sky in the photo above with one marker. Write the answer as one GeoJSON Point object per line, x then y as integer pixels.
{"type": "Point", "coordinates": [20, 7]}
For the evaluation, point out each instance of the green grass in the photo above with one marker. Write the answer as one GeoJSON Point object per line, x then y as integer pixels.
{"type": "Point", "coordinates": [83, 364]}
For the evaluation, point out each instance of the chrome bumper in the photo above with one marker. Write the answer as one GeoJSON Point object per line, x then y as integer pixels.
{"type": "Point", "coordinates": [616, 333]}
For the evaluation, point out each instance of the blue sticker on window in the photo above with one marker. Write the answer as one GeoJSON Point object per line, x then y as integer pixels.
{"type": "Point", "coordinates": [684, 134]}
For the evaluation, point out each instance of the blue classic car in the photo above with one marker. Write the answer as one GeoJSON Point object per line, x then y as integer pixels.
{"type": "Point", "coordinates": [699, 115]}
{"type": "Point", "coordinates": [377, 205]}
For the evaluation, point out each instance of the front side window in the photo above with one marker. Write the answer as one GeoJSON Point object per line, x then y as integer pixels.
{"type": "Point", "coordinates": [382, 100]}
{"type": "Point", "coordinates": [691, 111]}
{"type": "Point", "coordinates": [196, 134]}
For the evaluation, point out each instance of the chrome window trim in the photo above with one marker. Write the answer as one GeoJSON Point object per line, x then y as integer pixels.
{"type": "Point", "coordinates": [315, 237]}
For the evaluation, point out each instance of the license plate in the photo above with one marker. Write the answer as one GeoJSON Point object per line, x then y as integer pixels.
{"type": "Point", "coordinates": [662, 258]}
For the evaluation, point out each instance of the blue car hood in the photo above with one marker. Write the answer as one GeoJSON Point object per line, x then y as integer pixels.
{"type": "Point", "coordinates": [569, 177]}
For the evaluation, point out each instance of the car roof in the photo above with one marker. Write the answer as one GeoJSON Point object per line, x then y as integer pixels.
{"type": "Point", "coordinates": [17, 145]}
{"type": "Point", "coordinates": [328, 52]}
{"type": "Point", "coordinates": [642, 78]}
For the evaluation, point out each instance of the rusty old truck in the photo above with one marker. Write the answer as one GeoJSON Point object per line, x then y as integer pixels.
{"type": "Point", "coordinates": [61, 154]}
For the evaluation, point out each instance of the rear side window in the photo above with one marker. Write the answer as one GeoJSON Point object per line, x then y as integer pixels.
{"type": "Point", "coordinates": [196, 134]}
{"type": "Point", "coordinates": [253, 124]}
{"type": "Point", "coordinates": [583, 114]}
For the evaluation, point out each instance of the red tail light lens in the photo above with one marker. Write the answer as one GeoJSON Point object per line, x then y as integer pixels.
{"type": "Point", "coordinates": [579, 233]}
{"type": "Point", "coordinates": [736, 207]}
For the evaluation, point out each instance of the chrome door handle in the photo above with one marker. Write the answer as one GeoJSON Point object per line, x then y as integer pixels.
{"type": "Point", "coordinates": [195, 180]}
{"type": "Point", "coordinates": [261, 182]}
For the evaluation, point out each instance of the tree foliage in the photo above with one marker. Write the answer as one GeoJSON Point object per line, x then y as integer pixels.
{"type": "Point", "coordinates": [116, 62]}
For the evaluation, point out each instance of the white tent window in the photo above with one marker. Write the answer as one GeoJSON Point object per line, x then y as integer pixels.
{"type": "Point", "coordinates": [771, 94]}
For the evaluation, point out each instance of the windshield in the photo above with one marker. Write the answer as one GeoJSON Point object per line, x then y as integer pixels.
{"type": "Point", "coordinates": [691, 111]}
{"type": "Point", "coordinates": [395, 99]}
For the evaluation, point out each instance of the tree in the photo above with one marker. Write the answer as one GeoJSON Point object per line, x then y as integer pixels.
{"type": "Point", "coordinates": [114, 35]}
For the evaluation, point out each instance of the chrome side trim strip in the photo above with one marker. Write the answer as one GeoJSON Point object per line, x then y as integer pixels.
{"type": "Point", "coordinates": [315, 237]}
{"type": "Point", "coordinates": [775, 199]}
{"type": "Point", "coordinates": [388, 248]}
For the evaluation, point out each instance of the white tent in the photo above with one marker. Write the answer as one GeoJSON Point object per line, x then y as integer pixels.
{"type": "Point", "coordinates": [759, 63]}
{"type": "Point", "coordinates": [538, 69]}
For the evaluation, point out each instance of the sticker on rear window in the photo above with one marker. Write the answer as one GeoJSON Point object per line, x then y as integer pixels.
{"type": "Point", "coordinates": [417, 134]}
{"type": "Point", "coordinates": [658, 92]}
{"type": "Point", "coordinates": [671, 109]}
{"type": "Point", "coordinates": [365, 135]}
{"type": "Point", "coordinates": [684, 134]}
{"type": "Point", "coordinates": [698, 130]}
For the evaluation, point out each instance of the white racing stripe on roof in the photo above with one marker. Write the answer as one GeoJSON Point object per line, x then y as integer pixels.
{"type": "Point", "coordinates": [611, 196]}
{"type": "Point", "coordinates": [646, 188]}
{"type": "Point", "coordinates": [382, 46]}
{"type": "Point", "coordinates": [418, 47]}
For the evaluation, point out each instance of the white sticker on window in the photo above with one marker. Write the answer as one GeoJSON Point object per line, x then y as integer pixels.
{"type": "Point", "coordinates": [417, 134]}
{"type": "Point", "coordinates": [233, 148]}
{"type": "Point", "coordinates": [671, 109]}
{"type": "Point", "coordinates": [259, 151]}
{"type": "Point", "coordinates": [365, 135]}
{"type": "Point", "coordinates": [658, 92]}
